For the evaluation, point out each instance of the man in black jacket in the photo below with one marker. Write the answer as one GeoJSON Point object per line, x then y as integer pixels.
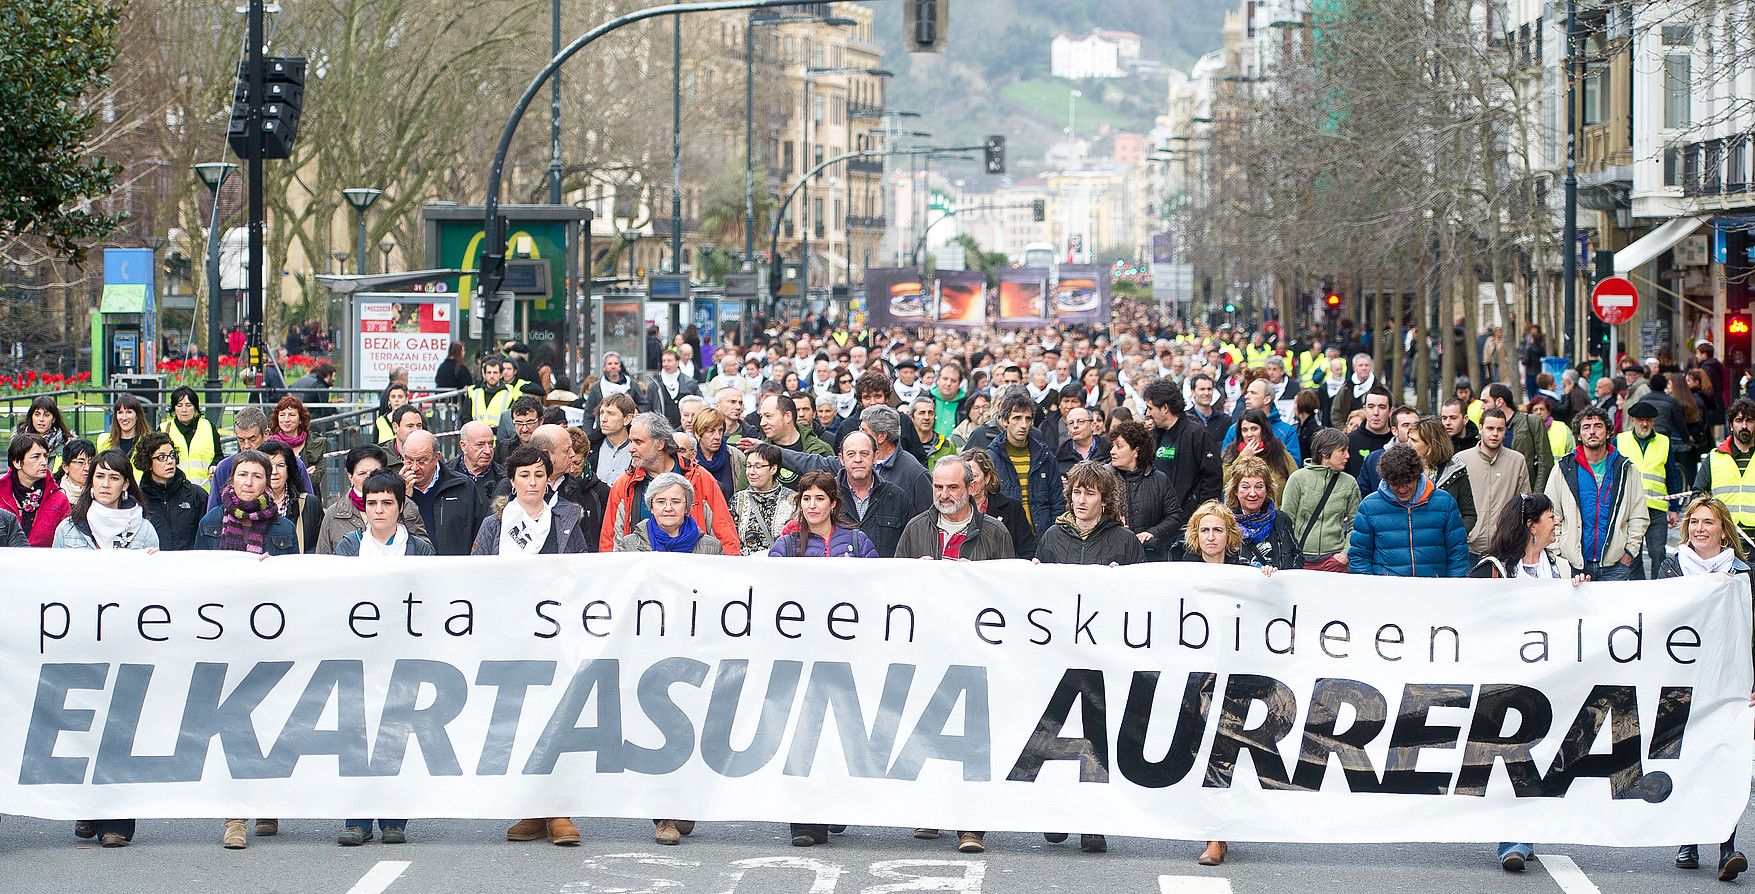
{"type": "Point", "coordinates": [450, 506]}
{"type": "Point", "coordinates": [1185, 453]}
{"type": "Point", "coordinates": [880, 508]}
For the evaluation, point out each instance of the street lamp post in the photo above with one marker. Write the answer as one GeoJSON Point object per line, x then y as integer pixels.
{"type": "Point", "coordinates": [213, 174]}
{"type": "Point", "coordinates": [1569, 237]}
{"type": "Point", "coordinates": [361, 198]}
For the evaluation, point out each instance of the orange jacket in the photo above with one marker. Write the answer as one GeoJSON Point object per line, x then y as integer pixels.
{"type": "Point", "coordinates": [710, 511]}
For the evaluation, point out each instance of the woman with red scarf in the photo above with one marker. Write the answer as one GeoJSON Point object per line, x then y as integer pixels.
{"type": "Point", "coordinates": [28, 492]}
{"type": "Point", "coordinates": [292, 427]}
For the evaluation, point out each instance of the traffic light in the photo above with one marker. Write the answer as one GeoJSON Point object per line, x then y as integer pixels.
{"type": "Point", "coordinates": [995, 147]}
{"type": "Point", "coordinates": [1737, 335]}
{"type": "Point", "coordinates": [1230, 308]}
{"type": "Point", "coordinates": [1039, 210]}
{"type": "Point", "coordinates": [1332, 299]}
{"type": "Point", "coordinates": [283, 95]}
{"type": "Point", "coordinates": [926, 25]}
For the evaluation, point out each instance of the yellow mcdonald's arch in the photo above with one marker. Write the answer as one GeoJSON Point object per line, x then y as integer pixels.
{"type": "Point", "coordinates": [466, 282]}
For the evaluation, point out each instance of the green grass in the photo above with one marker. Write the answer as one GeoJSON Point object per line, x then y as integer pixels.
{"type": "Point", "coordinates": [1045, 98]}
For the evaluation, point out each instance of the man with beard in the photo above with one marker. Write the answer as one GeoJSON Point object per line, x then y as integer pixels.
{"type": "Point", "coordinates": [1600, 499]}
{"type": "Point", "coordinates": [1651, 453]}
{"type": "Point", "coordinates": [1725, 471]}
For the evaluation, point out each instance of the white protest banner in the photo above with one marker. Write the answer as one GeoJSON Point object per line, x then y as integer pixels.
{"type": "Point", "coordinates": [1177, 701]}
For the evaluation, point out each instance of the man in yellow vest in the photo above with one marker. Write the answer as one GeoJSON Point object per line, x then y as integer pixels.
{"type": "Point", "coordinates": [1726, 472]}
{"type": "Point", "coordinates": [1651, 455]}
{"type": "Point", "coordinates": [1256, 353]}
{"type": "Point", "coordinates": [1312, 365]}
{"type": "Point", "coordinates": [491, 398]}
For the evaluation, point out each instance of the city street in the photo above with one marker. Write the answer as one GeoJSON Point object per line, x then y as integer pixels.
{"type": "Point", "coordinates": [619, 857]}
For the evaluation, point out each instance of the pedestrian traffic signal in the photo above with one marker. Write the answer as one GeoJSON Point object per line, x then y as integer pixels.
{"type": "Point", "coordinates": [1039, 210]}
{"type": "Point", "coordinates": [1230, 308]}
{"type": "Point", "coordinates": [995, 147]}
{"type": "Point", "coordinates": [283, 95]}
{"type": "Point", "coordinates": [926, 24]}
{"type": "Point", "coordinates": [1333, 299]}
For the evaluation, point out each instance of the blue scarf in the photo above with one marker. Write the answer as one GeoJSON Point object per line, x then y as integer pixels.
{"type": "Point", "coordinates": [719, 466]}
{"type": "Point", "coordinates": [1257, 526]}
{"type": "Point", "coordinates": [683, 542]}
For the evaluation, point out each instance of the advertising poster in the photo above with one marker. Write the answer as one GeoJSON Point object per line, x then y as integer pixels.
{"type": "Point", "coordinates": [413, 330]}
{"type": "Point", "coordinates": [1023, 292]}
{"type": "Point", "coordinates": [962, 299]}
{"type": "Point", "coordinates": [1080, 294]}
{"type": "Point", "coordinates": [895, 296]}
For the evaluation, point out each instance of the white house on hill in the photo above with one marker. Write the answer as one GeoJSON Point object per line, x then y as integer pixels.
{"type": "Point", "coordinates": [1100, 54]}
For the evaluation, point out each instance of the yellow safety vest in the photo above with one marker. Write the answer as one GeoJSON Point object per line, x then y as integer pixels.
{"type": "Point", "coordinates": [485, 411]}
{"type": "Point", "coordinates": [1651, 463]}
{"type": "Point", "coordinates": [1733, 488]}
{"type": "Point", "coordinates": [1229, 352]}
{"type": "Point", "coordinates": [1307, 369]}
{"type": "Point", "coordinates": [1560, 441]}
{"type": "Point", "coordinates": [197, 458]}
{"type": "Point", "coordinates": [385, 433]}
{"type": "Point", "coordinates": [1257, 356]}
{"type": "Point", "coordinates": [1476, 408]}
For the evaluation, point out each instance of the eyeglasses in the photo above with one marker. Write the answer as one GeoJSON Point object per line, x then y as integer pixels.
{"type": "Point", "coordinates": [79, 461]}
{"type": "Point", "coordinates": [530, 424]}
{"type": "Point", "coordinates": [165, 457]}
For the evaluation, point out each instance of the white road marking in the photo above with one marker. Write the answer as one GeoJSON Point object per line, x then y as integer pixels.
{"type": "Point", "coordinates": [1193, 884]}
{"type": "Point", "coordinates": [1567, 875]}
{"type": "Point", "coordinates": [380, 877]}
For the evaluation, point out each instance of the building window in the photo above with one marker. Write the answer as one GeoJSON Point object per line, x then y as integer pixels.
{"type": "Point", "coordinates": [1672, 167]}
{"type": "Point", "coordinates": [787, 155]}
{"type": "Point", "coordinates": [1593, 96]}
{"type": "Point", "coordinates": [816, 109]}
{"type": "Point", "coordinates": [816, 217]}
{"type": "Point", "coordinates": [1678, 90]}
{"type": "Point", "coordinates": [1737, 164]}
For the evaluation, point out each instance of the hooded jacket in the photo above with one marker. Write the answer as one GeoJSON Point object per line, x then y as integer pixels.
{"type": "Point", "coordinates": [342, 518]}
{"type": "Point", "coordinates": [1108, 542]}
{"type": "Point", "coordinates": [174, 508]}
{"type": "Point", "coordinates": [621, 515]}
{"type": "Point", "coordinates": [1335, 522]}
{"type": "Point", "coordinates": [1525, 435]}
{"type": "Point", "coordinates": [54, 508]}
{"type": "Point", "coordinates": [1422, 537]}
{"type": "Point", "coordinates": [947, 413]}
{"type": "Point", "coordinates": [1047, 498]}
{"type": "Point", "coordinates": [1622, 485]}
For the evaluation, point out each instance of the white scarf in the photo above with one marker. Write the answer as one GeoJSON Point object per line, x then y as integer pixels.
{"type": "Point", "coordinates": [1334, 384]}
{"type": "Point", "coordinates": [621, 387]}
{"type": "Point", "coordinates": [1543, 568]}
{"type": "Point", "coordinates": [398, 545]}
{"type": "Point", "coordinates": [521, 535]}
{"type": "Point", "coordinates": [687, 368]}
{"type": "Point", "coordinates": [845, 404]}
{"type": "Point", "coordinates": [114, 528]}
{"type": "Point", "coordinates": [671, 381]}
{"type": "Point", "coordinates": [1037, 394]}
{"type": "Point", "coordinates": [1359, 388]}
{"type": "Point", "coordinates": [1692, 563]}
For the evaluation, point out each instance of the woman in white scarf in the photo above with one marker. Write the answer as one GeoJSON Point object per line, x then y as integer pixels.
{"type": "Point", "coordinates": [384, 493]}
{"type": "Point", "coordinates": [108, 513]}
{"type": "Point", "coordinates": [1710, 545]}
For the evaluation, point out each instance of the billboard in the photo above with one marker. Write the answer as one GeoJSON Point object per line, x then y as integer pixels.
{"type": "Point", "coordinates": [962, 299]}
{"type": "Point", "coordinates": [412, 330]}
{"type": "Point", "coordinates": [1023, 293]}
{"type": "Point", "coordinates": [1079, 293]}
{"type": "Point", "coordinates": [895, 296]}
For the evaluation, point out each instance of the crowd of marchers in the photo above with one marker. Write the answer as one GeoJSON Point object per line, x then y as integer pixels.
{"type": "Point", "coordinates": [1144, 441]}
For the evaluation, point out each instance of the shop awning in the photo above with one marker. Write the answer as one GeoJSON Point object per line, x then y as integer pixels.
{"type": "Point", "coordinates": [1656, 243]}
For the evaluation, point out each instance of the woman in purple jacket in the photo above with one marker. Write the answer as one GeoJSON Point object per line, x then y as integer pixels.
{"type": "Point", "coordinates": [822, 527]}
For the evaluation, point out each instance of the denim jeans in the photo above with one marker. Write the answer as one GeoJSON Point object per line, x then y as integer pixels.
{"type": "Point", "coordinates": [1613, 572]}
{"type": "Point", "coordinates": [1657, 538]}
{"type": "Point", "coordinates": [1509, 847]}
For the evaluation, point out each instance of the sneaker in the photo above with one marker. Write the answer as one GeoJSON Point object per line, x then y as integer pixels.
{"type": "Point", "coordinates": [113, 839]}
{"type": "Point", "coordinates": [1688, 856]}
{"type": "Point", "coordinates": [1093, 844]}
{"type": "Point", "coordinates": [266, 828]}
{"type": "Point", "coordinates": [1732, 866]}
{"type": "Point", "coordinates": [85, 829]}
{"type": "Point", "coordinates": [925, 834]}
{"type": "Point", "coordinates": [353, 836]}
{"type": "Point", "coordinates": [1513, 862]}
{"type": "Point", "coordinates": [233, 840]}
{"type": "Point", "coordinates": [970, 843]}
{"type": "Point", "coordinates": [394, 835]}
{"type": "Point", "coordinates": [666, 833]}
{"type": "Point", "coordinates": [528, 830]}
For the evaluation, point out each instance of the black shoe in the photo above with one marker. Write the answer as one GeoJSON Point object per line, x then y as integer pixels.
{"type": "Point", "coordinates": [1732, 866]}
{"type": "Point", "coordinates": [85, 829]}
{"type": "Point", "coordinates": [1688, 856]}
{"type": "Point", "coordinates": [838, 829]}
{"type": "Point", "coordinates": [1093, 844]}
{"type": "Point", "coordinates": [808, 834]}
{"type": "Point", "coordinates": [1054, 837]}
{"type": "Point", "coordinates": [1513, 862]}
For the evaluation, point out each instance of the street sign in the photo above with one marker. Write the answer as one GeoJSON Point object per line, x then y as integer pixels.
{"type": "Point", "coordinates": [1614, 300]}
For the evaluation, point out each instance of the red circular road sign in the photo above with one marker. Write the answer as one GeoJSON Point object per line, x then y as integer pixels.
{"type": "Point", "coordinates": [1614, 300]}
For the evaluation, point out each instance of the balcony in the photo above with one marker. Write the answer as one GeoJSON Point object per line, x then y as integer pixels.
{"type": "Point", "coordinates": [857, 110]}
{"type": "Point", "coordinates": [865, 223]}
{"type": "Point", "coordinates": [865, 166]}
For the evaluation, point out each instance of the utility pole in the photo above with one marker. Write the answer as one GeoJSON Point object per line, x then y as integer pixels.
{"type": "Point", "coordinates": [254, 162]}
{"type": "Point", "coordinates": [676, 146]}
{"type": "Point", "coordinates": [1570, 237]}
{"type": "Point", "coordinates": [554, 109]}
{"type": "Point", "coordinates": [749, 141]}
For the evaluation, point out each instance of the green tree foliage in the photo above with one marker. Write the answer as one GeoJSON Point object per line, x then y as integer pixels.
{"type": "Point", "coordinates": [56, 54]}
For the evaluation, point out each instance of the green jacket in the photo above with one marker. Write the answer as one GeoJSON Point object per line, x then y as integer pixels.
{"type": "Point", "coordinates": [1525, 435]}
{"type": "Point", "coordinates": [935, 451]}
{"type": "Point", "coordinates": [949, 412]}
{"type": "Point", "coordinates": [1335, 523]}
{"type": "Point", "coordinates": [808, 442]}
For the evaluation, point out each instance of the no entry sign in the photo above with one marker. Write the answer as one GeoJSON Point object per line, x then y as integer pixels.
{"type": "Point", "coordinates": [1614, 300]}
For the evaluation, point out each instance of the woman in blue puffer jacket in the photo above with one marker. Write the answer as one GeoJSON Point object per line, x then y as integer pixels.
{"type": "Point", "coordinates": [821, 527]}
{"type": "Point", "coordinates": [1408, 527]}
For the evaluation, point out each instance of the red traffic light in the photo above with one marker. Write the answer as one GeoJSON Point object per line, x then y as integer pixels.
{"type": "Point", "coordinates": [1333, 299]}
{"type": "Point", "coordinates": [1737, 324]}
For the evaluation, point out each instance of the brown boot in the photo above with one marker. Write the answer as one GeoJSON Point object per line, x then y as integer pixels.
{"type": "Point", "coordinates": [666, 833]}
{"type": "Point", "coordinates": [527, 830]}
{"type": "Point", "coordinates": [234, 839]}
{"type": "Point", "coordinates": [1214, 854]}
{"type": "Point", "coordinates": [971, 842]}
{"type": "Point", "coordinates": [562, 831]}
